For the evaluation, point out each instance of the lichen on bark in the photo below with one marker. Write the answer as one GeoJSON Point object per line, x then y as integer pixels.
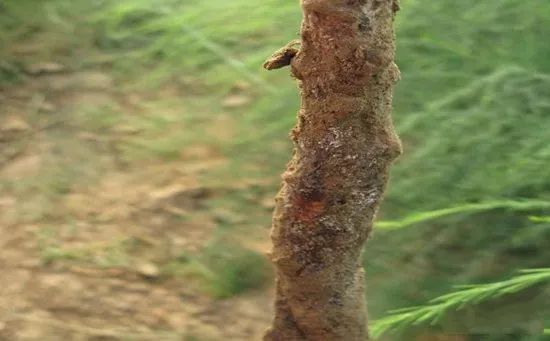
{"type": "Point", "coordinates": [344, 145]}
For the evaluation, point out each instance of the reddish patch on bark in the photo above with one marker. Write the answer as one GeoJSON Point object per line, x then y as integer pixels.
{"type": "Point", "coordinates": [309, 206]}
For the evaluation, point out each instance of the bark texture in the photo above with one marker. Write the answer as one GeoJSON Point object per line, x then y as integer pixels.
{"type": "Point", "coordinates": [344, 145]}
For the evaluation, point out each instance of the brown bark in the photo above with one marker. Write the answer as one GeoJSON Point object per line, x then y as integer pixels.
{"type": "Point", "coordinates": [344, 145]}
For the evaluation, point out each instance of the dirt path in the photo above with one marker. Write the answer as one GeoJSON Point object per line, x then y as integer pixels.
{"type": "Point", "coordinates": [84, 233]}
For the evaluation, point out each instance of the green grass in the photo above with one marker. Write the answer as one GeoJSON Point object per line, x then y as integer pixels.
{"type": "Point", "coordinates": [223, 269]}
{"type": "Point", "coordinates": [115, 253]}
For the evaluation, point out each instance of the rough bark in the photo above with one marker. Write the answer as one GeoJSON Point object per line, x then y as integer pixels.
{"type": "Point", "coordinates": [344, 145]}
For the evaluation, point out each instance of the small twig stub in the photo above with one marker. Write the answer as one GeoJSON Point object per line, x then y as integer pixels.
{"type": "Point", "coordinates": [283, 56]}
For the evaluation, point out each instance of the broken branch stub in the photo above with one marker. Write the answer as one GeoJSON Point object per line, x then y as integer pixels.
{"type": "Point", "coordinates": [344, 145]}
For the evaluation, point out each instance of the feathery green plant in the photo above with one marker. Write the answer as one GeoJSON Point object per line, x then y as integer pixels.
{"type": "Point", "coordinates": [541, 219]}
{"type": "Point", "coordinates": [466, 295]}
{"type": "Point", "coordinates": [421, 217]}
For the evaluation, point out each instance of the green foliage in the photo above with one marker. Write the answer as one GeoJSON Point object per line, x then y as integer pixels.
{"type": "Point", "coordinates": [422, 217]}
{"type": "Point", "coordinates": [510, 104]}
{"type": "Point", "coordinates": [236, 269]}
{"type": "Point", "coordinates": [535, 219]}
{"type": "Point", "coordinates": [224, 269]}
{"type": "Point", "coordinates": [36, 31]}
{"type": "Point", "coordinates": [186, 35]}
{"type": "Point", "coordinates": [466, 295]}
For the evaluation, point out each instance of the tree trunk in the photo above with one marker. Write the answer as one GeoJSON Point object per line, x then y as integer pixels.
{"type": "Point", "coordinates": [344, 145]}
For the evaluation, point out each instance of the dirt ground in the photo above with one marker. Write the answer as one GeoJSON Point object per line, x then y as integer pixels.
{"type": "Point", "coordinates": [83, 230]}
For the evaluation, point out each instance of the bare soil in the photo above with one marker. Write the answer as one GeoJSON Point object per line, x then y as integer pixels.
{"type": "Point", "coordinates": [81, 260]}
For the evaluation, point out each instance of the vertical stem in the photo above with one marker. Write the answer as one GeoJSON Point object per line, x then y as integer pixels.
{"type": "Point", "coordinates": [344, 145]}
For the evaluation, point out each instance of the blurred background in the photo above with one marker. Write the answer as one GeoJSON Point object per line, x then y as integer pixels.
{"type": "Point", "coordinates": [141, 146]}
